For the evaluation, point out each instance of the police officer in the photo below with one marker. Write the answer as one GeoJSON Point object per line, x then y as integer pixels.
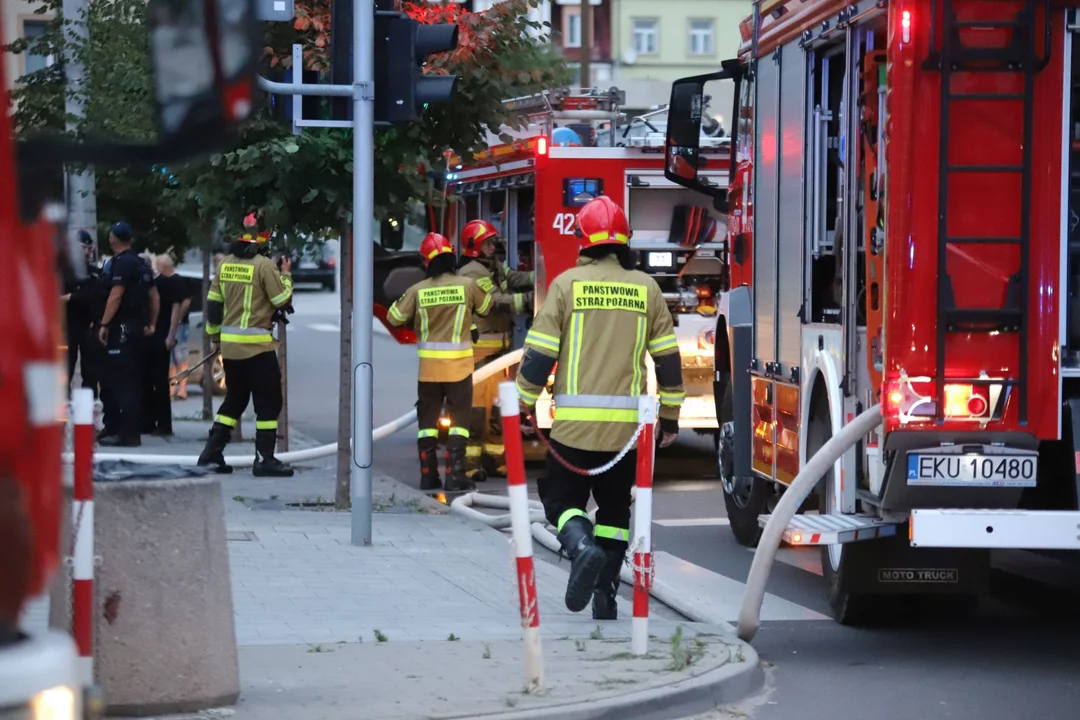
{"type": "Point", "coordinates": [511, 292]}
{"type": "Point", "coordinates": [247, 290]}
{"type": "Point", "coordinates": [83, 307]}
{"type": "Point", "coordinates": [130, 312]}
{"type": "Point", "coordinates": [598, 321]}
{"type": "Point", "coordinates": [441, 309]}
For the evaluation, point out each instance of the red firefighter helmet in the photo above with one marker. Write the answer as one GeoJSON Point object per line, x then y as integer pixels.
{"type": "Point", "coordinates": [474, 234]}
{"type": "Point", "coordinates": [434, 245]}
{"type": "Point", "coordinates": [251, 230]}
{"type": "Point", "coordinates": [601, 222]}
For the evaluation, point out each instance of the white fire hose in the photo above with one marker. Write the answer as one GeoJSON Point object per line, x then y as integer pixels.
{"type": "Point", "coordinates": [383, 431]}
{"type": "Point", "coordinates": [789, 504]}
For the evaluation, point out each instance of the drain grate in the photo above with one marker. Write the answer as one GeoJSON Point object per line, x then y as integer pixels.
{"type": "Point", "coordinates": [241, 536]}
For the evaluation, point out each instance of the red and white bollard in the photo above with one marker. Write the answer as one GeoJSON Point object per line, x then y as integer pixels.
{"type": "Point", "coordinates": [642, 546]}
{"type": "Point", "coordinates": [522, 532]}
{"type": "Point", "coordinates": [82, 524]}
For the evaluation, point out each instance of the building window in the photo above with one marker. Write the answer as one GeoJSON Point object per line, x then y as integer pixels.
{"type": "Point", "coordinates": [646, 34]}
{"type": "Point", "coordinates": [702, 38]}
{"type": "Point", "coordinates": [571, 28]}
{"type": "Point", "coordinates": [33, 61]}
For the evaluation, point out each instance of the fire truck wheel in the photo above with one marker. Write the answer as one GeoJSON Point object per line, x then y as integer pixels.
{"type": "Point", "coordinates": [744, 497]}
{"type": "Point", "coordinates": [848, 608]}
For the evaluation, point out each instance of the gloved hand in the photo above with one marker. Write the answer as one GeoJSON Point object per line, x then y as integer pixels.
{"type": "Point", "coordinates": [669, 432]}
{"type": "Point", "coordinates": [526, 424]}
{"type": "Point", "coordinates": [475, 334]}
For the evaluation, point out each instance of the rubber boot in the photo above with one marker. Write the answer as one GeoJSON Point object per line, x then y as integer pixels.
{"type": "Point", "coordinates": [586, 561]}
{"type": "Point", "coordinates": [212, 455]}
{"type": "Point", "coordinates": [604, 606]}
{"type": "Point", "coordinates": [456, 480]}
{"type": "Point", "coordinates": [429, 464]}
{"type": "Point", "coordinates": [266, 465]}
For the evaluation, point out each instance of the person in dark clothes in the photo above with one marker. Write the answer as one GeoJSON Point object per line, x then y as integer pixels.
{"type": "Point", "coordinates": [130, 316]}
{"type": "Point", "coordinates": [157, 408]}
{"type": "Point", "coordinates": [84, 303]}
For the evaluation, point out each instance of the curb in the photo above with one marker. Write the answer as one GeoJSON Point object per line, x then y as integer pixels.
{"type": "Point", "coordinates": [699, 694]}
{"type": "Point", "coordinates": [401, 490]}
{"type": "Point", "coordinates": [702, 693]}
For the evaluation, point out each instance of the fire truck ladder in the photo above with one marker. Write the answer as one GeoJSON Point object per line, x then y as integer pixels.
{"type": "Point", "coordinates": [1018, 55]}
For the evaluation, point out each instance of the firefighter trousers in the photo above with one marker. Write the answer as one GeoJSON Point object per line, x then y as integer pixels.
{"type": "Point", "coordinates": [485, 450]}
{"type": "Point", "coordinates": [256, 379]}
{"type": "Point", "coordinates": [430, 397]}
{"type": "Point", "coordinates": [565, 494]}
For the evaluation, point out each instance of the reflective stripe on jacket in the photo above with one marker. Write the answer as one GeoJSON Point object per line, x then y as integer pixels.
{"type": "Point", "coordinates": [598, 322]}
{"type": "Point", "coordinates": [441, 310]}
{"type": "Point", "coordinates": [243, 296]}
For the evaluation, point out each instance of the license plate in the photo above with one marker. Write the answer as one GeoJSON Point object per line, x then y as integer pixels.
{"type": "Point", "coordinates": [660, 259]}
{"type": "Point", "coordinates": [972, 470]}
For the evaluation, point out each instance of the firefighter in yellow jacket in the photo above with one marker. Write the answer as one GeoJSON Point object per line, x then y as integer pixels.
{"type": "Point", "coordinates": [247, 290]}
{"type": "Point", "coordinates": [511, 293]}
{"type": "Point", "coordinates": [441, 309]}
{"type": "Point", "coordinates": [598, 322]}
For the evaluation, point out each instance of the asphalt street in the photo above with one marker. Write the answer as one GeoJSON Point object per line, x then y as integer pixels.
{"type": "Point", "coordinates": [1016, 658]}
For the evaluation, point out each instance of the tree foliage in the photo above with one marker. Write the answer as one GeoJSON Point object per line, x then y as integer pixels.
{"type": "Point", "coordinates": [302, 183]}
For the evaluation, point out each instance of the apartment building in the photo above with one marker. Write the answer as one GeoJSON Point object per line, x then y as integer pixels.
{"type": "Point", "coordinates": [19, 21]}
{"type": "Point", "coordinates": [656, 43]}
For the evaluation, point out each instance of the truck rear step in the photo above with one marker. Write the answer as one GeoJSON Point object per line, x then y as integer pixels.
{"type": "Point", "coordinates": [996, 529]}
{"type": "Point", "coordinates": [833, 529]}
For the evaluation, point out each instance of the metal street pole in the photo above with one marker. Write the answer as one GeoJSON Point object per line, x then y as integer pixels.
{"type": "Point", "coordinates": [81, 186]}
{"type": "Point", "coordinates": [363, 264]}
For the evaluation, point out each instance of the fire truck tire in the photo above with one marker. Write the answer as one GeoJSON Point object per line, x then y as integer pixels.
{"type": "Point", "coordinates": [848, 607]}
{"type": "Point", "coordinates": [745, 498]}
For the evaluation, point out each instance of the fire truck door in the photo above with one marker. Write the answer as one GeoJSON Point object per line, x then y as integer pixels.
{"type": "Point", "coordinates": [511, 219]}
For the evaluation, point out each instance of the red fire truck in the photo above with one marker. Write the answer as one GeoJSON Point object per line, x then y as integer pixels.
{"type": "Point", "coordinates": [41, 675]}
{"type": "Point", "coordinates": [904, 186]}
{"type": "Point", "coordinates": [578, 145]}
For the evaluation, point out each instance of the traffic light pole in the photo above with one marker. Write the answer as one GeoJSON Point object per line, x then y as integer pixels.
{"type": "Point", "coordinates": [362, 92]}
{"type": "Point", "coordinates": [363, 264]}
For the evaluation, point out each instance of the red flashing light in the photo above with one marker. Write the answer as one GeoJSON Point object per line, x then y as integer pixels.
{"type": "Point", "coordinates": [541, 146]}
{"type": "Point", "coordinates": [905, 26]}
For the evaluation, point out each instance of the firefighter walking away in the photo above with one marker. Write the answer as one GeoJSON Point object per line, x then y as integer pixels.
{"type": "Point", "coordinates": [511, 293]}
{"type": "Point", "coordinates": [441, 309]}
{"type": "Point", "coordinates": [597, 323]}
{"type": "Point", "coordinates": [248, 289]}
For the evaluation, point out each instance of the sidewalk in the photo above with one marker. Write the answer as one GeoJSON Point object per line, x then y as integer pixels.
{"type": "Point", "coordinates": [425, 622]}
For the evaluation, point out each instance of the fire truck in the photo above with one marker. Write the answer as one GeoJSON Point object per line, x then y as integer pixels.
{"type": "Point", "coordinates": [902, 211]}
{"type": "Point", "coordinates": [199, 101]}
{"type": "Point", "coordinates": [575, 145]}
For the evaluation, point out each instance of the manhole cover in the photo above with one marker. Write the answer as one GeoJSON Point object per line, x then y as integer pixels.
{"type": "Point", "coordinates": [241, 536]}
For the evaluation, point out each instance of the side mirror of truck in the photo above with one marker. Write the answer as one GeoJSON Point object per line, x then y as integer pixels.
{"type": "Point", "coordinates": [683, 159]}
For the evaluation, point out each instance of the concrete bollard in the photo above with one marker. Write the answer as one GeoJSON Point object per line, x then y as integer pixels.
{"type": "Point", "coordinates": [165, 638]}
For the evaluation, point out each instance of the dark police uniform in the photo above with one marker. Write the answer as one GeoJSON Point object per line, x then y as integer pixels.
{"type": "Point", "coordinates": [84, 307]}
{"type": "Point", "coordinates": [122, 367]}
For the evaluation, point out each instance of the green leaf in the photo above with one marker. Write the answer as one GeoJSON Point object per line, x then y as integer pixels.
{"type": "Point", "coordinates": [311, 195]}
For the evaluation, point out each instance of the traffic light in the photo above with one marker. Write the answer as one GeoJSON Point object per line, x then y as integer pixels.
{"type": "Point", "coordinates": [402, 46]}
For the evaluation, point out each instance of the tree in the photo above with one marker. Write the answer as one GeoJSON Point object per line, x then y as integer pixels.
{"type": "Point", "coordinates": [304, 182]}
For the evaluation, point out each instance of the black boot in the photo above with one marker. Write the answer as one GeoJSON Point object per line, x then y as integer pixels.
{"type": "Point", "coordinates": [212, 455]}
{"type": "Point", "coordinates": [266, 465]}
{"type": "Point", "coordinates": [586, 561]}
{"type": "Point", "coordinates": [604, 606]}
{"type": "Point", "coordinates": [456, 480]}
{"type": "Point", "coordinates": [429, 464]}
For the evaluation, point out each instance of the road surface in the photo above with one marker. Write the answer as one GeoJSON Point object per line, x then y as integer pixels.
{"type": "Point", "coordinates": [1017, 658]}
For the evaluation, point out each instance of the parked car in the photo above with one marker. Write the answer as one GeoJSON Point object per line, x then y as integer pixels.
{"type": "Point", "coordinates": [315, 265]}
{"type": "Point", "coordinates": [195, 355]}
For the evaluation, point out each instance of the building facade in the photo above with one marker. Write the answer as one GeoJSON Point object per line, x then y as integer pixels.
{"type": "Point", "coordinates": [657, 43]}
{"type": "Point", "coordinates": [20, 21]}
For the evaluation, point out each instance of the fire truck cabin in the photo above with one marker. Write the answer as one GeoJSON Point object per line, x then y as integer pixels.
{"type": "Point", "coordinates": [576, 146]}
{"type": "Point", "coordinates": [910, 166]}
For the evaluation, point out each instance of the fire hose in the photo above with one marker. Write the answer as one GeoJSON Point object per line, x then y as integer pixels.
{"type": "Point", "coordinates": [482, 373]}
{"type": "Point", "coordinates": [789, 504]}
